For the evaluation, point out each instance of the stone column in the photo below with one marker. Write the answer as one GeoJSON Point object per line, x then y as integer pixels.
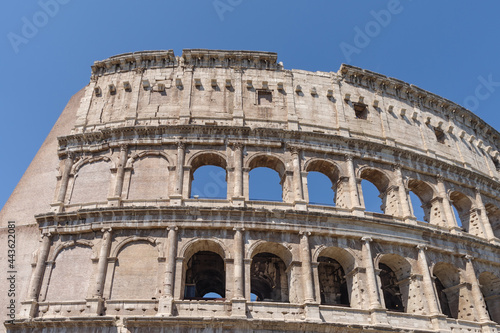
{"type": "Point", "coordinates": [29, 308]}
{"type": "Point", "coordinates": [238, 301]}
{"type": "Point", "coordinates": [239, 282]}
{"type": "Point", "coordinates": [96, 303]}
{"type": "Point", "coordinates": [353, 186]}
{"type": "Point", "coordinates": [305, 256]}
{"type": "Point", "coordinates": [170, 268]}
{"type": "Point", "coordinates": [428, 282]}
{"type": "Point", "coordinates": [103, 262]}
{"type": "Point", "coordinates": [488, 231]}
{"type": "Point", "coordinates": [448, 212]}
{"type": "Point", "coordinates": [120, 172]}
{"type": "Point", "coordinates": [68, 163]}
{"type": "Point", "coordinates": [177, 196]}
{"type": "Point", "coordinates": [238, 197]}
{"type": "Point", "coordinates": [165, 303]}
{"type": "Point", "coordinates": [406, 209]}
{"type": "Point", "coordinates": [477, 295]}
{"type": "Point", "coordinates": [371, 275]}
{"type": "Point", "coordinates": [297, 181]}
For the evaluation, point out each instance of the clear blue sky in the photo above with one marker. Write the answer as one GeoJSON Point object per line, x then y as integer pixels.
{"type": "Point", "coordinates": [447, 47]}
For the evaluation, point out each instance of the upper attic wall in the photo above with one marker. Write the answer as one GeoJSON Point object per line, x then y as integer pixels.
{"type": "Point", "coordinates": [247, 88]}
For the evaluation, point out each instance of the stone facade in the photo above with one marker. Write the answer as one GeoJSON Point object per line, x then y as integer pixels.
{"type": "Point", "coordinates": [122, 245]}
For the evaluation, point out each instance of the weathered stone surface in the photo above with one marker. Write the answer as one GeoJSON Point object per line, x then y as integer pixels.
{"type": "Point", "coordinates": [109, 237]}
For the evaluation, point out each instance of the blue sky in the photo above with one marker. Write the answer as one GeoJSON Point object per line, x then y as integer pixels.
{"type": "Point", "coordinates": [47, 47]}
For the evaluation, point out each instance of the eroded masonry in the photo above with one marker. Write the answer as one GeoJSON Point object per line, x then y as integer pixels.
{"type": "Point", "coordinates": [116, 240]}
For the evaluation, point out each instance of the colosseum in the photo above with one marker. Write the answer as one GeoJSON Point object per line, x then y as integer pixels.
{"type": "Point", "coordinates": [110, 237]}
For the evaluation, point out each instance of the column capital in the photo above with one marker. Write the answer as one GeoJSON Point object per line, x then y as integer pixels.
{"type": "Point", "coordinates": [174, 228]}
{"type": "Point", "coordinates": [236, 145]}
{"type": "Point", "coordinates": [422, 247]}
{"type": "Point", "coordinates": [367, 239]}
{"type": "Point", "coordinates": [108, 229]}
{"type": "Point", "coordinates": [439, 177]}
{"type": "Point", "coordinates": [181, 145]}
{"type": "Point", "coordinates": [305, 233]}
{"type": "Point", "coordinates": [468, 257]}
{"type": "Point", "coordinates": [348, 157]}
{"type": "Point", "coordinates": [294, 150]}
{"type": "Point", "coordinates": [47, 234]}
{"type": "Point", "coordinates": [239, 229]}
{"type": "Point", "coordinates": [123, 147]}
{"type": "Point", "coordinates": [396, 166]}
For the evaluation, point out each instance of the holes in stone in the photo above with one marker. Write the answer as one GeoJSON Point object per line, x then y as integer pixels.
{"type": "Point", "coordinates": [440, 136]}
{"type": "Point", "coordinates": [264, 97]}
{"type": "Point", "coordinates": [361, 110]}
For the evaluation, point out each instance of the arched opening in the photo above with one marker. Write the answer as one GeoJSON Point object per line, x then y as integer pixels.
{"type": "Point", "coordinates": [209, 182]}
{"type": "Point", "coordinates": [447, 279]}
{"type": "Point", "coordinates": [211, 176]}
{"type": "Point", "coordinates": [443, 299]}
{"type": "Point", "coordinates": [332, 281]}
{"type": "Point", "coordinates": [390, 289]}
{"type": "Point", "coordinates": [462, 209]}
{"type": "Point", "coordinates": [490, 287]}
{"type": "Point", "coordinates": [493, 213]}
{"type": "Point", "coordinates": [265, 184]}
{"type": "Point", "coordinates": [417, 207]}
{"type": "Point", "coordinates": [322, 180]}
{"type": "Point", "coordinates": [371, 197]}
{"type": "Point", "coordinates": [269, 279]}
{"type": "Point", "coordinates": [421, 197]}
{"type": "Point", "coordinates": [205, 276]}
{"type": "Point", "coordinates": [320, 189]}
{"type": "Point", "coordinates": [267, 179]}
{"type": "Point", "coordinates": [374, 188]}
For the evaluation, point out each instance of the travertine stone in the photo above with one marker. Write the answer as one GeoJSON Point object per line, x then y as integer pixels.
{"type": "Point", "coordinates": [111, 238]}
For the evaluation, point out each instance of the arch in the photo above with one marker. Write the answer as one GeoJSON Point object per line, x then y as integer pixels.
{"type": "Point", "coordinates": [395, 273]}
{"type": "Point", "coordinates": [62, 246]}
{"type": "Point", "coordinates": [204, 273]}
{"type": "Point", "coordinates": [269, 278]}
{"type": "Point", "coordinates": [270, 247]}
{"type": "Point", "coordinates": [328, 168]}
{"type": "Point", "coordinates": [91, 181]}
{"type": "Point", "coordinates": [132, 159]}
{"type": "Point", "coordinates": [490, 287]}
{"type": "Point", "coordinates": [137, 269]}
{"type": "Point", "coordinates": [66, 283]}
{"type": "Point", "coordinates": [207, 158]}
{"type": "Point", "coordinates": [149, 177]}
{"type": "Point", "coordinates": [493, 213]}
{"type": "Point", "coordinates": [375, 176]}
{"type": "Point", "coordinates": [130, 239]}
{"type": "Point", "coordinates": [463, 205]}
{"type": "Point", "coordinates": [446, 277]}
{"type": "Point", "coordinates": [381, 181]}
{"type": "Point", "coordinates": [270, 161]}
{"type": "Point", "coordinates": [199, 244]}
{"type": "Point", "coordinates": [345, 257]}
{"type": "Point", "coordinates": [212, 158]}
{"type": "Point", "coordinates": [426, 194]}
{"type": "Point", "coordinates": [78, 165]}
{"type": "Point", "coordinates": [275, 191]}
{"type": "Point", "coordinates": [335, 288]}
